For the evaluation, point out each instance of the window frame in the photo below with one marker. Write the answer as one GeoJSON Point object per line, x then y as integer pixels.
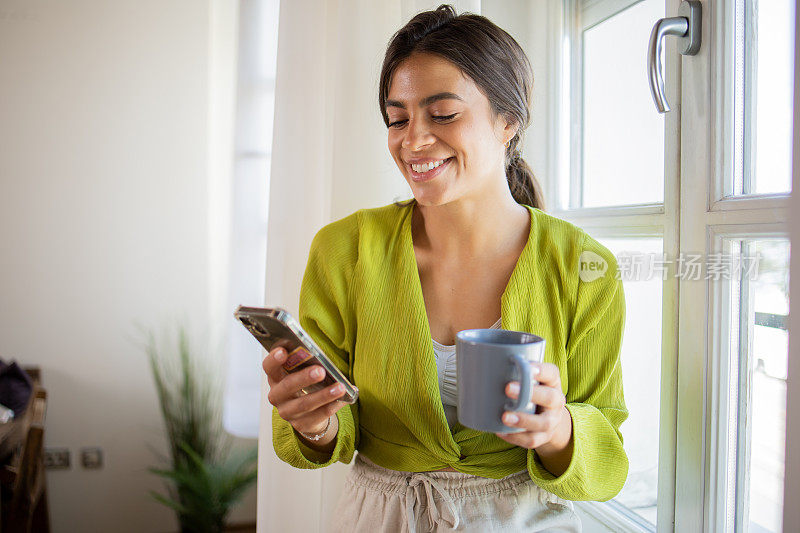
{"type": "Point", "coordinates": [721, 495]}
{"type": "Point", "coordinates": [709, 215]}
{"type": "Point", "coordinates": [696, 216]}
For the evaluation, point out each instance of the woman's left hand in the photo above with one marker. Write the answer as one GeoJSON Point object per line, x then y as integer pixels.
{"type": "Point", "coordinates": [549, 431]}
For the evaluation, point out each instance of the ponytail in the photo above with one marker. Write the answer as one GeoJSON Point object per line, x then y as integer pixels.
{"type": "Point", "coordinates": [522, 183]}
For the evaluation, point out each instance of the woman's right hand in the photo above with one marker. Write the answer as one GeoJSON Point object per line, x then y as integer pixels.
{"type": "Point", "coordinates": [307, 413]}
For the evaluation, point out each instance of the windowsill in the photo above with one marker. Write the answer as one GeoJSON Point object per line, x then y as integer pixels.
{"type": "Point", "coordinates": [615, 517]}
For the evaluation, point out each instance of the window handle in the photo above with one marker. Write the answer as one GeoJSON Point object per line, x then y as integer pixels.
{"type": "Point", "coordinates": [687, 27]}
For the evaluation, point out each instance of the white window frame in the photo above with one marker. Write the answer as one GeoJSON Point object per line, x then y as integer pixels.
{"type": "Point", "coordinates": [696, 216]}
{"type": "Point", "coordinates": [721, 333]}
{"type": "Point", "coordinates": [709, 223]}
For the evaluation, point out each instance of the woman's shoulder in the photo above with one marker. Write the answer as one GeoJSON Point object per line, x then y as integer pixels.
{"type": "Point", "coordinates": [571, 242]}
{"type": "Point", "coordinates": [554, 228]}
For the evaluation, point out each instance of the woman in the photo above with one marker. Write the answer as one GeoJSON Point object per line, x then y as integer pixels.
{"type": "Point", "coordinates": [386, 290]}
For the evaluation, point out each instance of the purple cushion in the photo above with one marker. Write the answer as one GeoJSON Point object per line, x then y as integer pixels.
{"type": "Point", "coordinates": [16, 387]}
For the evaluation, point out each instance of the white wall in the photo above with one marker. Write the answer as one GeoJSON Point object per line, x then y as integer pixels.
{"type": "Point", "coordinates": [528, 23]}
{"type": "Point", "coordinates": [107, 218]}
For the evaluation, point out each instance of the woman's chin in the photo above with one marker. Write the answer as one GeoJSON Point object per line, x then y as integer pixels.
{"type": "Point", "coordinates": [430, 196]}
{"type": "Point", "coordinates": [430, 200]}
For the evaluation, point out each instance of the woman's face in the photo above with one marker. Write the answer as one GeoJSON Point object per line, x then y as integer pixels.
{"type": "Point", "coordinates": [438, 116]}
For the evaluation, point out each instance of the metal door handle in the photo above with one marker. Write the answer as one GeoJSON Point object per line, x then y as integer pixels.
{"type": "Point", "coordinates": [687, 27]}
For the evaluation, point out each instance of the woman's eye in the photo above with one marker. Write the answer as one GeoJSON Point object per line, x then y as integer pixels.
{"type": "Point", "coordinates": [437, 118]}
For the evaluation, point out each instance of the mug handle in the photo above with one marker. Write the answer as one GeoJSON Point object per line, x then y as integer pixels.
{"type": "Point", "coordinates": [524, 367]}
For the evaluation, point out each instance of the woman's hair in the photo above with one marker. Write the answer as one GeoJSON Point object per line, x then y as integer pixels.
{"type": "Point", "coordinates": [494, 61]}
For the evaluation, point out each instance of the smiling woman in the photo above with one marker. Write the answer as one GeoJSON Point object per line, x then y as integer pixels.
{"type": "Point", "coordinates": [487, 96]}
{"type": "Point", "coordinates": [386, 290]}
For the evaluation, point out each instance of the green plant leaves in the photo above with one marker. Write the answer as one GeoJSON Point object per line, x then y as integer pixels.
{"type": "Point", "coordinates": [205, 478]}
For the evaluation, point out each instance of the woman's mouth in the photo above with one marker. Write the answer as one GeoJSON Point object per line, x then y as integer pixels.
{"type": "Point", "coordinates": [427, 171]}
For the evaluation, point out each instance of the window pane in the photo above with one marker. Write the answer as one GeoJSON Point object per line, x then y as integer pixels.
{"type": "Point", "coordinates": [774, 75]}
{"type": "Point", "coordinates": [623, 134]}
{"type": "Point", "coordinates": [766, 42]}
{"type": "Point", "coordinates": [759, 425]}
{"type": "Point", "coordinates": [769, 363]}
{"type": "Point", "coordinates": [641, 368]}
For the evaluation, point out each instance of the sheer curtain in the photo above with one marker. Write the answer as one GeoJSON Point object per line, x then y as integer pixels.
{"type": "Point", "coordinates": [255, 93]}
{"type": "Point", "coordinates": [329, 158]}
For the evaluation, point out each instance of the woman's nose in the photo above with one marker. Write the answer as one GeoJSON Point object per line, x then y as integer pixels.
{"type": "Point", "coordinates": [417, 135]}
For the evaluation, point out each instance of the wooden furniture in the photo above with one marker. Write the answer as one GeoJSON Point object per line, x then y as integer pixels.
{"type": "Point", "coordinates": [24, 503]}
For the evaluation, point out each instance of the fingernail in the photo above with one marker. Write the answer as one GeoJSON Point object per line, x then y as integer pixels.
{"type": "Point", "coordinates": [336, 389]}
{"type": "Point", "coordinates": [316, 373]}
{"type": "Point", "coordinates": [513, 389]}
{"type": "Point", "coordinates": [534, 370]}
{"type": "Point", "coordinates": [511, 418]}
{"type": "Point", "coordinates": [280, 355]}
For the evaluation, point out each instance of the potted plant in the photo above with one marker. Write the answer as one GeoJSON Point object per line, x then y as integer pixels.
{"type": "Point", "coordinates": [203, 478]}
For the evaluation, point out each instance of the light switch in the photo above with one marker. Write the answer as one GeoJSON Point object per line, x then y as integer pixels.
{"type": "Point", "coordinates": [92, 457]}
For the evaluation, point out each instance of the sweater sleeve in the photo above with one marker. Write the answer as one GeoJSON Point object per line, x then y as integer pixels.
{"type": "Point", "coordinates": [326, 314]}
{"type": "Point", "coordinates": [599, 464]}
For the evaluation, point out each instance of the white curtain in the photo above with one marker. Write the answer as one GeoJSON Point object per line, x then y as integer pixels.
{"type": "Point", "coordinates": [329, 158]}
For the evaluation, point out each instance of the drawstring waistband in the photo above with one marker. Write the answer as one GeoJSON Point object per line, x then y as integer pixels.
{"type": "Point", "coordinates": [378, 499]}
{"type": "Point", "coordinates": [419, 490]}
{"type": "Point", "coordinates": [419, 481]}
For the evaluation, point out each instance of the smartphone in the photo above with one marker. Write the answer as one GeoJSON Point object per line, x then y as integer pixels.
{"type": "Point", "coordinates": [274, 327]}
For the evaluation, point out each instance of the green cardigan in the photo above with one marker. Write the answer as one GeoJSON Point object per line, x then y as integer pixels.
{"type": "Point", "coordinates": [361, 300]}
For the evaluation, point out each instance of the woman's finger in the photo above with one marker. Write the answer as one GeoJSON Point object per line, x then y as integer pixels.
{"type": "Point", "coordinates": [548, 374]}
{"type": "Point", "coordinates": [295, 408]}
{"type": "Point", "coordinates": [545, 396]}
{"type": "Point", "coordinates": [272, 365]}
{"type": "Point", "coordinates": [524, 439]}
{"type": "Point", "coordinates": [289, 387]}
{"type": "Point", "coordinates": [545, 422]}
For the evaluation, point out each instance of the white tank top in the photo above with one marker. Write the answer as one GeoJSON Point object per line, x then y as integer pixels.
{"type": "Point", "coordinates": [448, 386]}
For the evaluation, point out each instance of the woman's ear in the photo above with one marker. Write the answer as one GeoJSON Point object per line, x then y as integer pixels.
{"type": "Point", "coordinates": [508, 127]}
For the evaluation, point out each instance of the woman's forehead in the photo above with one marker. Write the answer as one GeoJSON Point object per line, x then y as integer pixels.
{"type": "Point", "coordinates": [424, 75]}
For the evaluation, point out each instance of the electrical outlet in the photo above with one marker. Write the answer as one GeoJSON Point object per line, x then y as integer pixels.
{"type": "Point", "coordinates": [92, 457]}
{"type": "Point", "coordinates": [56, 458]}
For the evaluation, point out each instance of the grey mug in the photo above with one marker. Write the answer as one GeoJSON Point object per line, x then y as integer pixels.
{"type": "Point", "coordinates": [486, 360]}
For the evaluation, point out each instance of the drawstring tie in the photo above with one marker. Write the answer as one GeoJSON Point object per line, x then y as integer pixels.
{"type": "Point", "coordinates": [414, 494]}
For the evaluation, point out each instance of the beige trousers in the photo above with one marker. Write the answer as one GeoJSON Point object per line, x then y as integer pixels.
{"type": "Point", "coordinates": [376, 499]}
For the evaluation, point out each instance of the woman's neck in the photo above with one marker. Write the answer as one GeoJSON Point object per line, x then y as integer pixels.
{"type": "Point", "coordinates": [470, 227]}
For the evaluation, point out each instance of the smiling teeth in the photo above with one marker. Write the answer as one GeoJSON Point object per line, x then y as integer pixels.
{"type": "Point", "coordinates": [425, 167]}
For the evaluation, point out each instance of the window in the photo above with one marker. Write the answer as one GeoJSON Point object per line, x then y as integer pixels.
{"type": "Point", "coordinates": [703, 186]}
{"type": "Point", "coordinates": [751, 374]}
{"type": "Point", "coordinates": [745, 222]}
{"type": "Point", "coordinates": [765, 46]}
{"type": "Point", "coordinates": [621, 135]}
{"type": "Point", "coordinates": [757, 419]}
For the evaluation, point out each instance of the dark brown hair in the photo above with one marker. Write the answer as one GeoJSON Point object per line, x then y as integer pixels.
{"type": "Point", "coordinates": [492, 59]}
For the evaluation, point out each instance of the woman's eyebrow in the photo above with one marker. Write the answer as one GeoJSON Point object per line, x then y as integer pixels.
{"type": "Point", "coordinates": [428, 100]}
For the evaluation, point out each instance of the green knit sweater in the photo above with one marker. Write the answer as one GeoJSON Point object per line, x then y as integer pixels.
{"type": "Point", "coordinates": [361, 300]}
